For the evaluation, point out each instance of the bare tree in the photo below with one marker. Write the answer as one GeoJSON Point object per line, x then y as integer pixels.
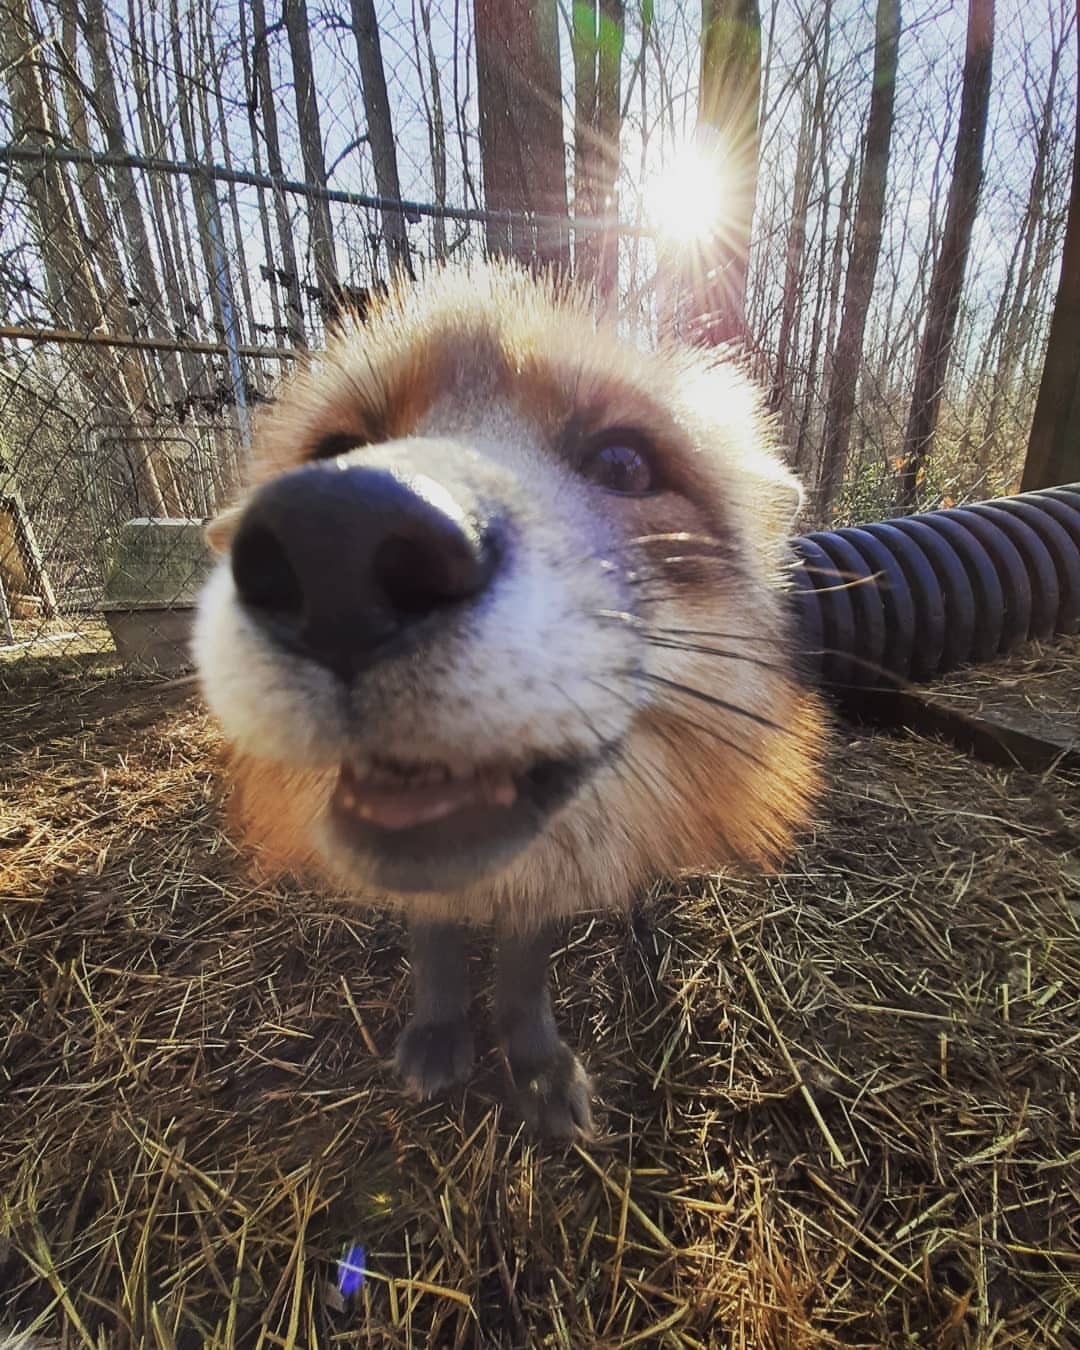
{"type": "Point", "coordinates": [947, 281]}
{"type": "Point", "coordinates": [638, 77]}
{"type": "Point", "coordinates": [270, 272]}
{"type": "Point", "coordinates": [729, 90]}
{"type": "Point", "coordinates": [69, 279]}
{"type": "Point", "coordinates": [608, 125]}
{"type": "Point", "coordinates": [584, 45]}
{"type": "Point", "coordinates": [104, 254]}
{"type": "Point", "coordinates": [1033, 253]}
{"type": "Point", "coordinates": [433, 114]}
{"type": "Point", "coordinates": [125, 190]}
{"type": "Point", "coordinates": [132, 367]}
{"type": "Point", "coordinates": [212, 71]}
{"type": "Point", "coordinates": [1054, 448]}
{"type": "Point", "coordinates": [320, 227]}
{"type": "Point", "coordinates": [598, 36]}
{"type": "Point", "coordinates": [207, 206]}
{"type": "Point", "coordinates": [839, 337]}
{"type": "Point", "coordinates": [811, 128]}
{"type": "Point", "coordinates": [521, 135]}
{"type": "Point", "coordinates": [166, 222]}
{"type": "Point", "coordinates": [866, 244]}
{"type": "Point", "coordinates": [380, 129]}
{"type": "Point", "coordinates": [838, 249]}
{"type": "Point", "coordinates": [463, 45]}
{"type": "Point", "coordinates": [907, 286]}
{"type": "Point", "coordinates": [261, 96]}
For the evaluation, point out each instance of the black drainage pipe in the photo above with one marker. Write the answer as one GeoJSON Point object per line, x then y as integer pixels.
{"type": "Point", "coordinates": [911, 598]}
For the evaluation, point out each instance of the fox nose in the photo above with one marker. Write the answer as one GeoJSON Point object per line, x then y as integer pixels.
{"type": "Point", "coordinates": [336, 560]}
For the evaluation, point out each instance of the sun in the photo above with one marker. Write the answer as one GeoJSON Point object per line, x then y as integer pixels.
{"type": "Point", "coordinates": [690, 196]}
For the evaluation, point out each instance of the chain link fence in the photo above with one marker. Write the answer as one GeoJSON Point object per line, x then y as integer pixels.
{"type": "Point", "coordinates": [127, 392]}
{"type": "Point", "coordinates": [124, 421]}
{"type": "Point", "coordinates": [150, 302]}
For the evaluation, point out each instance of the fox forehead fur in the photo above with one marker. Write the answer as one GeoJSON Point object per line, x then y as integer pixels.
{"type": "Point", "coordinates": [654, 626]}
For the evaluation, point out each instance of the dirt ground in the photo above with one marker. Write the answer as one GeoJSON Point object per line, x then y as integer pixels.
{"type": "Point", "coordinates": [838, 1106]}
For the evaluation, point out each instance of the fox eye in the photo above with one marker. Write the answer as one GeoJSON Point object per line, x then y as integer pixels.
{"type": "Point", "coordinates": [621, 463]}
{"type": "Point", "coordinates": [337, 443]}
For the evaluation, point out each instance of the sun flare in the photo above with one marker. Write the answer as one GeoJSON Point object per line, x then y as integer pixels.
{"type": "Point", "coordinates": [689, 197]}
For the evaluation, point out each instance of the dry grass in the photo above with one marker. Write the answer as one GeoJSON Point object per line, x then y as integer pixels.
{"type": "Point", "coordinates": [1039, 686]}
{"type": "Point", "coordinates": [840, 1106]}
{"type": "Point", "coordinates": [51, 640]}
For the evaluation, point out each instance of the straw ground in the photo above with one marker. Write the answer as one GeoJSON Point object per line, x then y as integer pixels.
{"type": "Point", "coordinates": [839, 1105]}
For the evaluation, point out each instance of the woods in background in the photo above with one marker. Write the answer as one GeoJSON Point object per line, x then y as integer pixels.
{"type": "Point", "coordinates": [884, 196]}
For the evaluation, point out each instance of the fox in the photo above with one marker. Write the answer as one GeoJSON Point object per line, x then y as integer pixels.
{"type": "Point", "coordinates": [499, 634]}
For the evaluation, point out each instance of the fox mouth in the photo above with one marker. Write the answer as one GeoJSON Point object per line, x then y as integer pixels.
{"type": "Point", "coordinates": [427, 826]}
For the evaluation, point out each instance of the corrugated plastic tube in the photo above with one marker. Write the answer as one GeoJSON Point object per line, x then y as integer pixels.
{"type": "Point", "coordinates": [912, 598]}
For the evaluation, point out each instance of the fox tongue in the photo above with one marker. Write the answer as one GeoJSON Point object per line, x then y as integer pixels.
{"type": "Point", "coordinates": [396, 808]}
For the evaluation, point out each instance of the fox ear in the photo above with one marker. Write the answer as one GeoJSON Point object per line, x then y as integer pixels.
{"type": "Point", "coordinates": [773, 495]}
{"type": "Point", "coordinates": [732, 421]}
{"type": "Point", "coordinates": [219, 530]}
{"type": "Point", "coordinates": [785, 499]}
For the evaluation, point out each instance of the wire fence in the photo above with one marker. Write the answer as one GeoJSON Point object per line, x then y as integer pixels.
{"type": "Point", "coordinates": [150, 307]}
{"type": "Point", "coordinates": [189, 194]}
{"type": "Point", "coordinates": [125, 413]}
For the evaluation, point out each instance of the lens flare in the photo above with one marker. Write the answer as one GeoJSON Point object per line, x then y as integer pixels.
{"type": "Point", "coordinates": [691, 196]}
{"type": "Point", "coordinates": [350, 1272]}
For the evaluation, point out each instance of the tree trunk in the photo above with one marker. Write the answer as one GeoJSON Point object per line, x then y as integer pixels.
{"type": "Point", "coordinates": [125, 189]}
{"type": "Point", "coordinates": [794, 277]}
{"type": "Point", "coordinates": [213, 68]}
{"type": "Point", "coordinates": [320, 227]}
{"type": "Point", "coordinates": [70, 284]}
{"type": "Point", "coordinates": [521, 138]}
{"type": "Point", "coordinates": [207, 212]}
{"type": "Point", "coordinates": [98, 218]}
{"type": "Point", "coordinates": [820, 344]}
{"type": "Point", "coordinates": [862, 268]}
{"type": "Point", "coordinates": [599, 31]}
{"type": "Point", "coordinates": [1021, 315]}
{"type": "Point", "coordinates": [145, 374]}
{"type": "Point", "coordinates": [256, 161]}
{"type": "Point", "coordinates": [227, 269]}
{"type": "Point", "coordinates": [436, 121]}
{"type": "Point", "coordinates": [947, 281]}
{"type": "Point", "coordinates": [167, 196]}
{"type": "Point", "coordinates": [608, 126]}
{"type": "Point", "coordinates": [380, 128]}
{"type": "Point", "coordinates": [165, 219]}
{"type": "Point", "coordinates": [728, 109]}
{"type": "Point", "coordinates": [638, 73]}
{"type": "Point", "coordinates": [260, 60]}
{"type": "Point", "coordinates": [1053, 455]}
{"type": "Point", "coordinates": [1037, 301]}
{"type": "Point", "coordinates": [462, 45]}
{"type": "Point", "coordinates": [838, 251]}
{"type": "Point", "coordinates": [899, 346]}
{"type": "Point", "coordinates": [584, 43]}
{"type": "Point", "coordinates": [185, 250]}
{"type": "Point", "coordinates": [69, 277]}
{"type": "Point", "coordinates": [1012, 320]}
{"type": "Point", "coordinates": [813, 131]}
{"type": "Point", "coordinates": [131, 364]}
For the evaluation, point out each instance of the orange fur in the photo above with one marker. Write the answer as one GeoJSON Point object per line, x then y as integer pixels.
{"type": "Point", "coordinates": [698, 785]}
